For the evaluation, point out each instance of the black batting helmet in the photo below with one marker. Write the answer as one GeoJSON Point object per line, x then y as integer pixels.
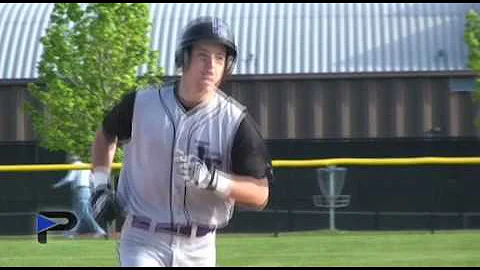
{"type": "Point", "coordinates": [206, 28]}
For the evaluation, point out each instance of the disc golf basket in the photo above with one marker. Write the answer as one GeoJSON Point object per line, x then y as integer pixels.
{"type": "Point", "coordinates": [330, 181]}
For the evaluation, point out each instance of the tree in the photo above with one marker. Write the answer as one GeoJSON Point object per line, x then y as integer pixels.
{"type": "Point", "coordinates": [92, 54]}
{"type": "Point", "coordinates": [472, 38]}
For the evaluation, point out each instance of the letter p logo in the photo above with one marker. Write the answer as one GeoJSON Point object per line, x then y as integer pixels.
{"type": "Point", "coordinates": [44, 224]}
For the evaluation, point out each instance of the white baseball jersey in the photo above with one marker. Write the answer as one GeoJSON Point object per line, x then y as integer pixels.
{"type": "Point", "coordinates": [156, 125]}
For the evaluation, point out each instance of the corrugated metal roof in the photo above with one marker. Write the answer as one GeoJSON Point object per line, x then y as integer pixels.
{"type": "Point", "coordinates": [284, 38]}
{"type": "Point", "coordinates": [21, 27]}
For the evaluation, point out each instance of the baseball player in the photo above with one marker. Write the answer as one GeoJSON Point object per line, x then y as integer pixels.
{"type": "Point", "coordinates": [191, 154]}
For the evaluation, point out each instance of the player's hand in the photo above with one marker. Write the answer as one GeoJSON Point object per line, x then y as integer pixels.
{"type": "Point", "coordinates": [103, 205]}
{"type": "Point", "coordinates": [194, 171]}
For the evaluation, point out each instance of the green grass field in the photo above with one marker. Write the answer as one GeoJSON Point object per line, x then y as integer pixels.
{"type": "Point", "coordinates": [317, 248]}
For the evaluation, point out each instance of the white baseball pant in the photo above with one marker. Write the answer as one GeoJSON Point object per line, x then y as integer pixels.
{"type": "Point", "coordinates": [145, 247]}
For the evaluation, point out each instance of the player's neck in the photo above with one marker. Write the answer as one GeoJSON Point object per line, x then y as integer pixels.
{"type": "Point", "coordinates": [190, 97]}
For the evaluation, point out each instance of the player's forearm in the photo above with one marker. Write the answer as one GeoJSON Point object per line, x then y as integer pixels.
{"type": "Point", "coordinates": [103, 151]}
{"type": "Point", "coordinates": [250, 191]}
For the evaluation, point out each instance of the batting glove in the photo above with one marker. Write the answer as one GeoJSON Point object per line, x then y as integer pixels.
{"type": "Point", "coordinates": [103, 205]}
{"type": "Point", "coordinates": [196, 173]}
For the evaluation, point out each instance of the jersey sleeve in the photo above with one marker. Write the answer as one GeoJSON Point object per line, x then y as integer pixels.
{"type": "Point", "coordinates": [118, 121]}
{"type": "Point", "coordinates": [249, 153]}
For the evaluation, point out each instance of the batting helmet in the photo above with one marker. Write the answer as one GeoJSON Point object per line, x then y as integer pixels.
{"type": "Point", "coordinates": [206, 28]}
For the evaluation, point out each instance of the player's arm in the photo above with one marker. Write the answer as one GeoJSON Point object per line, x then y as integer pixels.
{"type": "Point", "coordinates": [249, 191]}
{"type": "Point", "coordinates": [103, 151]}
{"type": "Point", "coordinates": [117, 125]}
{"type": "Point", "coordinates": [251, 166]}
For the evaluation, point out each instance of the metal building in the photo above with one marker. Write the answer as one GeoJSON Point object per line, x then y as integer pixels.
{"type": "Point", "coordinates": [305, 70]}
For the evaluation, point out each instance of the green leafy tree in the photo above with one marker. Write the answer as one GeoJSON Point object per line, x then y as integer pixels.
{"type": "Point", "coordinates": [472, 38]}
{"type": "Point", "coordinates": [92, 54]}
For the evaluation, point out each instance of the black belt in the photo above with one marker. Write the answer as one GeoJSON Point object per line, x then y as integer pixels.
{"type": "Point", "coordinates": [144, 223]}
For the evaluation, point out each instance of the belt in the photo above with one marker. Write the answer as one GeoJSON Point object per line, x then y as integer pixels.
{"type": "Point", "coordinates": [145, 223]}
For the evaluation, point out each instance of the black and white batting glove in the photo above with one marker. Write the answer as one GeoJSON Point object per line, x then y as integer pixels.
{"type": "Point", "coordinates": [196, 173]}
{"type": "Point", "coordinates": [103, 205]}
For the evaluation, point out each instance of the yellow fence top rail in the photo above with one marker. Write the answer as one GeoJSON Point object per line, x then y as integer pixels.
{"type": "Point", "coordinates": [304, 163]}
{"type": "Point", "coordinates": [378, 161]}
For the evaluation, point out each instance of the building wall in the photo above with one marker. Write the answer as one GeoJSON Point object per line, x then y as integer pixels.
{"type": "Point", "coordinates": [15, 122]}
{"type": "Point", "coordinates": [372, 107]}
{"type": "Point", "coordinates": [305, 70]}
{"type": "Point", "coordinates": [356, 108]}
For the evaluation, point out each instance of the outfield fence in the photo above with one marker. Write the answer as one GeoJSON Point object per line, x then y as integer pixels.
{"type": "Point", "coordinates": [331, 197]}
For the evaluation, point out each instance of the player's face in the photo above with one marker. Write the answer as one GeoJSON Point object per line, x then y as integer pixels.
{"type": "Point", "coordinates": [207, 65]}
